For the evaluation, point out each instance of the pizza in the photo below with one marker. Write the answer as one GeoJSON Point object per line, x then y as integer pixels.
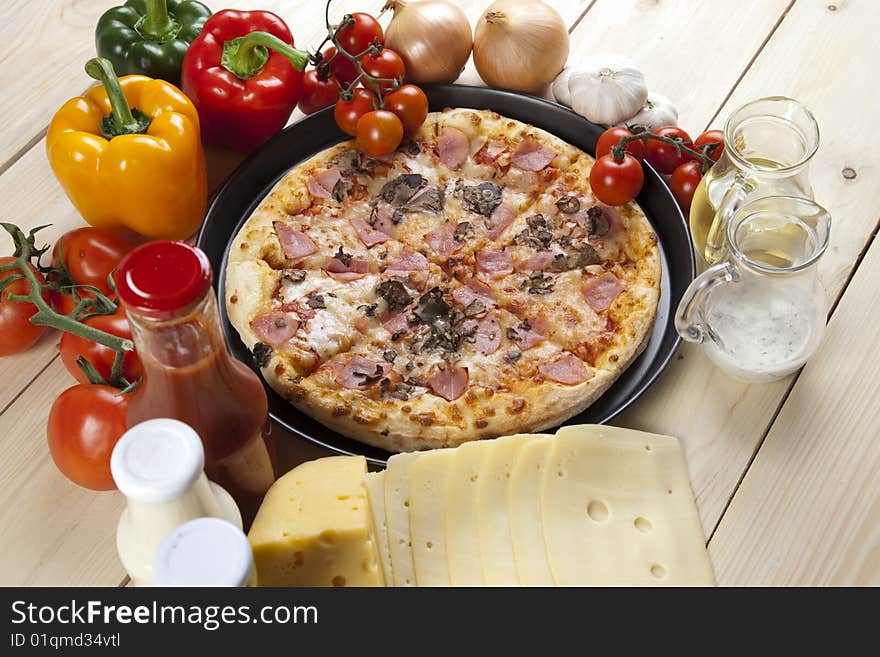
{"type": "Point", "coordinates": [467, 286]}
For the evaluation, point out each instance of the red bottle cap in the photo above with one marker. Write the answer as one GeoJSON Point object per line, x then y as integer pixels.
{"type": "Point", "coordinates": [161, 277]}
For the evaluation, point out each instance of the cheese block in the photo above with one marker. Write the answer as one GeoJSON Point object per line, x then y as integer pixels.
{"type": "Point", "coordinates": [427, 514]}
{"type": "Point", "coordinates": [493, 510]}
{"type": "Point", "coordinates": [462, 532]}
{"type": "Point", "coordinates": [314, 528]}
{"type": "Point", "coordinates": [526, 522]}
{"type": "Point", "coordinates": [618, 510]}
{"type": "Point", "coordinates": [397, 477]}
{"type": "Point", "coordinates": [375, 484]}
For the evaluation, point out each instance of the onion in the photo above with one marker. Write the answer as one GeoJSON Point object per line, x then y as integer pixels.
{"type": "Point", "coordinates": [432, 36]}
{"type": "Point", "coordinates": [520, 45]}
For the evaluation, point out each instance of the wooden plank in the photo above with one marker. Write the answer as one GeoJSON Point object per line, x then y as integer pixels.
{"type": "Point", "coordinates": [692, 52]}
{"type": "Point", "coordinates": [54, 533]}
{"type": "Point", "coordinates": [808, 511]}
{"type": "Point", "coordinates": [44, 46]}
{"type": "Point", "coordinates": [721, 421]}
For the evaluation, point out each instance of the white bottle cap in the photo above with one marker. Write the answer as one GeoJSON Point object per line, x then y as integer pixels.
{"type": "Point", "coordinates": [204, 552]}
{"type": "Point", "coordinates": [157, 460]}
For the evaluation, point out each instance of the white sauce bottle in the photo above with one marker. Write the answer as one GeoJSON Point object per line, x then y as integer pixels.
{"type": "Point", "coordinates": [159, 466]}
{"type": "Point", "coordinates": [205, 552]}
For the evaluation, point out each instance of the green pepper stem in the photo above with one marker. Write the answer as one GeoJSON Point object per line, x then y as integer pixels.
{"type": "Point", "coordinates": [246, 56]}
{"type": "Point", "coordinates": [123, 121]}
{"type": "Point", "coordinates": [157, 22]}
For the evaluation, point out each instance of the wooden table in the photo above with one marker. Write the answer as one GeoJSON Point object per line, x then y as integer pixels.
{"type": "Point", "coordinates": [786, 475]}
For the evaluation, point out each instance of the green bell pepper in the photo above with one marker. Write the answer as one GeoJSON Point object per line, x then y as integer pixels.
{"type": "Point", "coordinates": [150, 37]}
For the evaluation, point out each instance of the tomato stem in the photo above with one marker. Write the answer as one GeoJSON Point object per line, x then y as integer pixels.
{"type": "Point", "coordinates": [46, 315]}
{"type": "Point", "coordinates": [702, 156]}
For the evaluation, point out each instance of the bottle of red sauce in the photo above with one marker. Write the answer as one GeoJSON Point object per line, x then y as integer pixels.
{"type": "Point", "coordinates": [165, 288]}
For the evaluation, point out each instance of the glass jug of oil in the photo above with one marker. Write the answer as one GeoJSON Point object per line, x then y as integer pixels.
{"type": "Point", "coordinates": [760, 313]}
{"type": "Point", "coordinates": [768, 144]}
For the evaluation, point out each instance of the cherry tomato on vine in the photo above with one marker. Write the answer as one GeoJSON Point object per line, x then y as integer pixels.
{"type": "Point", "coordinates": [410, 104]}
{"type": "Point", "coordinates": [17, 334]}
{"type": "Point", "coordinates": [347, 112]}
{"type": "Point", "coordinates": [85, 423]}
{"type": "Point", "coordinates": [356, 38]}
{"type": "Point", "coordinates": [664, 157]}
{"type": "Point", "coordinates": [317, 93]}
{"type": "Point", "coordinates": [90, 255]}
{"type": "Point", "coordinates": [98, 355]}
{"type": "Point", "coordinates": [684, 181]}
{"type": "Point", "coordinates": [615, 183]}
{"type": "Point", "coordinates": [711, 137]}
{"type": "Point", "coordinates": [342, 68]}
{"type": "Point", "coordinates": [387, 64]}
{"type": "Point", "coordinates": [612, 136]}
{"type": "Point", "coordinates": [379, 132]}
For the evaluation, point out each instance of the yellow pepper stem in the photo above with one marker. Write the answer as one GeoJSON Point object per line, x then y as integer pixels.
{"type": "Point", "coordinates": [124, 120]}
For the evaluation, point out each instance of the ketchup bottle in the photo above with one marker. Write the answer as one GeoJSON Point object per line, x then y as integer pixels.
{"type": "Point", "coordinates": [165, 288]}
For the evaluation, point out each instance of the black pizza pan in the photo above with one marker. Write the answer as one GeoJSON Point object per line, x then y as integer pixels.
{"type": "Point", "coordinates": [255, 177]}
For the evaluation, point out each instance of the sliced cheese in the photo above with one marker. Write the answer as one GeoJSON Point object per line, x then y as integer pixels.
{"type": "Point", "coordinates": [397, 477]}
{"type": "Point", "coordinates": [314, 528]}
{"type": "Point", "coordinates": [526, 523]}
{"type": "Point", "coordinates": [462, 533]}
{"type": "Point", "coordinates": [493, 510]}
{"type": "Point", "coordinates": [618, 510]}
{"type": "Point", "coordinates": [427, 516]}
{"type": "Point", "coordinates": [375, 483]}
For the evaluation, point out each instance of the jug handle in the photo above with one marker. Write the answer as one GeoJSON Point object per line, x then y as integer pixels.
{"type": "Point", "coordinates": [734, 196]}
{"type": "Point", "coordinates": [687, 322]}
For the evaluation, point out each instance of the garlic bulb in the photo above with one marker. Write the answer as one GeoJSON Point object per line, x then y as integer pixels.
{"type": "Point", "coordinates": [657, 112]}
{"type": "Point", "coordinates": [605, 89]}
{"type": "Point", "coordinates": [433, 37]}
{"type": "Point", "coordinates": [560, 87]}
{"type": "Point", "coordinates": [520, 45]}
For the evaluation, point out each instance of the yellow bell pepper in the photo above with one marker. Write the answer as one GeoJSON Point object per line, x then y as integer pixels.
{"type": "Point", "coordinates": [128, 154]}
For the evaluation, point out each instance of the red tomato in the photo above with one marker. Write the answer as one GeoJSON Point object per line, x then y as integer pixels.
{"type": "Point", "coordinates": [410, 104]}
{"type": "Point", "coordinates": [347, 112]}
{"type": "Point", "coordinates": [711, 137]}
{"type": "Point", "coordinates": [317, 93]}
{"type": "Point", "coordinates": [684, 181]}
{"type": "Point", "coordinates": [358, 37]}
{"type": "Point", "coordinates": [17, 334]}
{"type": "Point", "coordinates": [90, 255]}
{"type": "Point", "coordinates": [342, 68]}
{"type": "Point", "coordinates": [611, 137]}
{"type": "Point", "coordinates": [379, 132]}
{"type": "Point", "coordinates": [664, 157]}
{"type": "Point", "coordinates": [387, 64]}
{"type": "Point", "coordinates": [85, 423]}
{"type": "Point", "coordinates": [98, 355]}
{"type": "Point", "coordinates": [615, 183]}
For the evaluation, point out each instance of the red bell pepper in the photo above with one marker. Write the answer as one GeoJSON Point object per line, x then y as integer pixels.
{"type": "Point", "coordinates": [244, 76]}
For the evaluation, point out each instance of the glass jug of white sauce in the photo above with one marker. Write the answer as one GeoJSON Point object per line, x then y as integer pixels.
{"type": "Point", "coordinates": [760, 313]}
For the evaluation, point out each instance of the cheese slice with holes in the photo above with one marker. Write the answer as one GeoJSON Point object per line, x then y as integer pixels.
{"type": "Point", "coordinates": [375, 484]}
{"type": "Point", "coordinates": [618, 510]}
{"type": "Point", "coordinates": [493, 510]}
{"type": "Point", "coordinates": [314, 528]}
{"type": "Point", "coordinates": [397, 478]}
{"type": "Point", "coordinates": [427, 515]}
{"type": "Point", "coordinates": [462, 533]}
{"type": "Point", "coordinates": [526, 522]}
